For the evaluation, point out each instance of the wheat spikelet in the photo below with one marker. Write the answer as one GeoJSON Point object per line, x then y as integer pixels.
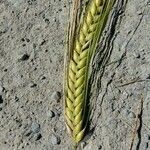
{"type": "Point", "coordinates": [76, 81]}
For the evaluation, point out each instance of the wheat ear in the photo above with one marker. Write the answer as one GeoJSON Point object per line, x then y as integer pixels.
{"type": "Point", "coordinates": [84, 45]}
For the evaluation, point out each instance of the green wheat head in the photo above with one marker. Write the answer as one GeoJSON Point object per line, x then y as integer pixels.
{"type": "Point", "coordinates": [85, 42]}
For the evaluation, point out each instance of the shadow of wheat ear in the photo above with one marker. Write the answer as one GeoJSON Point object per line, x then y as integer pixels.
{"type": "Point", "coordinates": [85, 42]}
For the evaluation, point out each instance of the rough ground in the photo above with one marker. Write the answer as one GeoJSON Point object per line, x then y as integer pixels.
{"type": "Point", "coordinates": [32, 35]}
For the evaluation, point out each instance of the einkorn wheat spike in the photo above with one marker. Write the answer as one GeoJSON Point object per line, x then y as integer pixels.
{"type": "Point", "coordinates": [84, 45]}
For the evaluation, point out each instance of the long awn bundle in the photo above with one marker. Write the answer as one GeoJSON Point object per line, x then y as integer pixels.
{"type": "Point", "coordinates": [83, 39]}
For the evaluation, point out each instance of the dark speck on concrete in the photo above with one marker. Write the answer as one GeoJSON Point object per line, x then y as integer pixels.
{"type": "Point", "coordinates": [1, 99]}
{"type": "Point", "coordinates": [24, 57]}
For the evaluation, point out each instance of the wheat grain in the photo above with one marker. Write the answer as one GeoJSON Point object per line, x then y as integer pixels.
{"type": "Point", "coordinates": [77, 73]}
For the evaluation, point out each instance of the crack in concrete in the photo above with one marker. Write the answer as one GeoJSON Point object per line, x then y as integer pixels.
{"type": "Point", "coordinates": [140, 125]}
{"type": "Point", "coordinates": [138, 25]}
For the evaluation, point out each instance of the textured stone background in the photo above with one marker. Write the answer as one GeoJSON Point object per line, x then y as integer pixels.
{"type": "Point", "coordinates": [32, 35]}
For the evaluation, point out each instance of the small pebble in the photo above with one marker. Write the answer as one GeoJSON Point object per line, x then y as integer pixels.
{"type": "Point", "coordinates": [145, 146]}
{"type": "Point", "coordinates": [35, 127]}
{"type": "Point", "coordinates": [16, 98]}
{"type": "Point", "coordinates": [28, 40]}
{"type": "Point", "coordinates": [37, 136]}
{"type": "Point", "coordinates": [32, 85]}
{"type": "Point", "coordinates": [43, 78]}
{"type": "Point", "coordinates": [55, 96]}
{"type": "Point", "coordinates": [148, 76]}
{"type": "Point", "coordinates": [5, 70]}
{"type": "Point", "coordinates": [147, 137]}
{"type": "Point", "coordinates": [137, 55]}
{"type": "Point", "coordinates": [132, 115]}
{"type": "Point", "coordinates": [139, 12]}
{"type": "Point", "coordinates": [55, 140]}
{"type": "Point", "coordinates": [50, 114]}
{"type": "Point", "coordinates": [100, 147]}
{"type": "Point", "coordinates": [125, 95]}
{"type": "Point", "coordinates": [47, 20]}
